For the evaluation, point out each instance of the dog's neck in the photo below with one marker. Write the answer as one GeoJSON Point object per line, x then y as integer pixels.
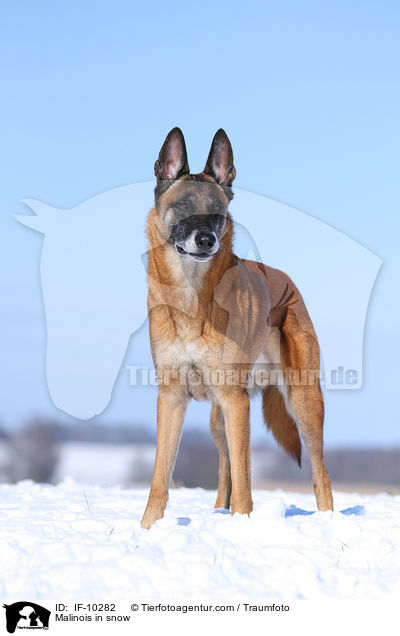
{"type": "Point", "coordinates": [185, 271]}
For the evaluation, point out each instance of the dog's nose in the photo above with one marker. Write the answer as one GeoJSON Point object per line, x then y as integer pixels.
{"type": "Point", "coordinates": [205, 240]}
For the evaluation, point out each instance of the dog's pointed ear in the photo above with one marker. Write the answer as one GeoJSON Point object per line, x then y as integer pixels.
{"type": "Point", "coordinates": [172, 161]}
{"type": "Point", "coordinates": [220, 160]}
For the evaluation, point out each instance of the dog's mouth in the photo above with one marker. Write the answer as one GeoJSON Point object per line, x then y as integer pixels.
{"type": "Point", "coordinates": [197, 256]}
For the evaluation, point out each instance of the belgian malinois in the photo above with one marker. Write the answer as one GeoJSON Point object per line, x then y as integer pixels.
{"type": "Point", "coordinates": [222, 327]}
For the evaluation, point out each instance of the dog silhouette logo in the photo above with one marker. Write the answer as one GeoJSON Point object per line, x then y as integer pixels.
{"type": "Point", "coordinates": [26, 615]}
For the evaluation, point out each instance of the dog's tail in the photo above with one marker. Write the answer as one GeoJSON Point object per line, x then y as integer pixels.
{"type": "Point", "coordinates": [280, 423]}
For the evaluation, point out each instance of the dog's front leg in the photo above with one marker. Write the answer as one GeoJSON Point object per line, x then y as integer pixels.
{"type": "Point", "coordinates": [236, 409]}
{"type": "Point", "coordinates": [171, 407]}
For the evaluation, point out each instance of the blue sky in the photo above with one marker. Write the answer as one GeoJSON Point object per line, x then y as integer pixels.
{"type": "Point", "coordinates": [308, 93]}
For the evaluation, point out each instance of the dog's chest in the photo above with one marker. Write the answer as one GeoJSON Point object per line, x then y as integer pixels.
{"type": "Point", "coordinates": [190, 362]}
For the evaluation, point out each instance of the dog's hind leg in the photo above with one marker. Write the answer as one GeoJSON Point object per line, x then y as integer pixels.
{"type": "Point", "coordinates": [171, 407]}
{"type": "Point", "coordinates": [304, 399]}
{"type": "Point", "coordinates": [307, 405]}
{"type": "Point", "coordinates": [217, 426]}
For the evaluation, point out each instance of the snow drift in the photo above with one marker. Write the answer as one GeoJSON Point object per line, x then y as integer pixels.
{"type": "Point", "coordinates": [76, 541]}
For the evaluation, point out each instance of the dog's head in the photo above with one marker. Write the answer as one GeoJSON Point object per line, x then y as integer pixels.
{"type": "Point", "coordinates": [192, 208]}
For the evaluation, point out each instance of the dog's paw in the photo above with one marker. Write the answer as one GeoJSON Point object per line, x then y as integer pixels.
{"type": "Point", "coordinates": [150, 517]}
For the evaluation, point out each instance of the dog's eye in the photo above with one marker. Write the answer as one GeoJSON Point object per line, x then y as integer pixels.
{"type": "Point", "coordinates": [182, 205]}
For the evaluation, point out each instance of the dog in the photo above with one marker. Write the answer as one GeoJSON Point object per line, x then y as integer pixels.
{"type": "Point", "coordinates": [221, 328]}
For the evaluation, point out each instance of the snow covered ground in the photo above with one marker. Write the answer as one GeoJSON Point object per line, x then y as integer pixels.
{"type": "Point", "coordinates": [75, 541]}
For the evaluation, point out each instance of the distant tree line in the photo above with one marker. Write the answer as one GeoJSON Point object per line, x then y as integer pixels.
{"type": "Point", "coordinates": [33, 449]}
{"type": "Point", "coordinates": [345, 465]}
{"type": "Point", "coordinates": [33, 453]}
